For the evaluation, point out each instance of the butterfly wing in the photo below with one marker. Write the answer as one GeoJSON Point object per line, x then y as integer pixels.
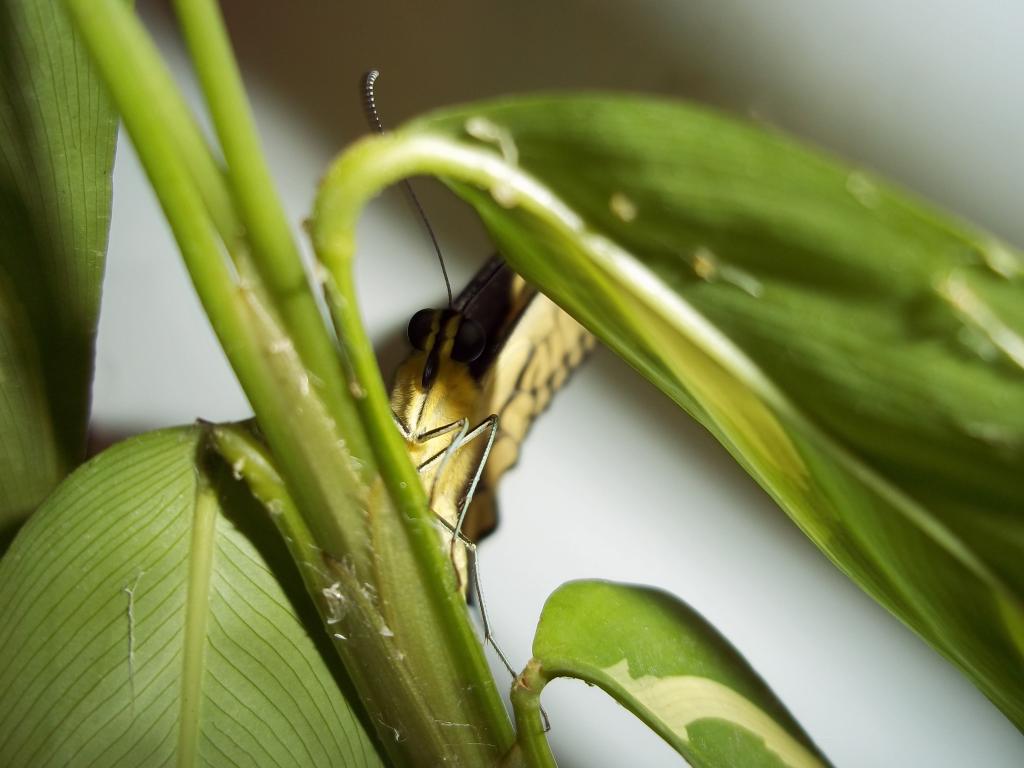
{"type": "Point", "coordinates": [533, 357]}
{"type": "Point", "coordinates": [532, 347]}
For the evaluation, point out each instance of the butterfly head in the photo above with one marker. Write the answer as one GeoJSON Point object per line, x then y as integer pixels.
{"type": "Point", "coordinates": [445, 334]}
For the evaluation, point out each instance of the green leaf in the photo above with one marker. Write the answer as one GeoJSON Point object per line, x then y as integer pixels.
{"type": "Point", "coordinates": [858, 353]}
{"type": "Point", "coordinates": [152, 615]}
{"type": "Point", "coordinates": [662, 661]}
{"type": "Point", "coordinates": [57, 133]}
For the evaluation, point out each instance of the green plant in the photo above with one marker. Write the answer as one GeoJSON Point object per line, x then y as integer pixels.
{"type": "Point", "coordinates": [723, 240]}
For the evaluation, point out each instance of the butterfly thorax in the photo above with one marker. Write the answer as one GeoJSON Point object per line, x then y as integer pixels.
{"type": "Point", "coordinates": [436, 387]}
{"type": "Point", "coordinates": [449, 397]}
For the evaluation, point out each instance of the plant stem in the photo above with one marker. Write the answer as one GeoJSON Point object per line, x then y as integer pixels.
{"type": "Point", "coordinates": [273, 247]}
{"type": "Point", "coordinates": [376, 644]}
{"type": "Point", "coordinates": [118, 44]}
{"type": "Point", "coordinates": [194, 153]}
{"type": "Point", "coordinates": [280, 268]}
{"type": "Point", "coordinates": [348, 185]}
{"type": "Point", "coordinates": [251, 462]}
{"type": "Point", "coordinates": [531, 735]}
{"type": "Point", "coordinates": [333, 225]}
{"type": "Point", "coordinates": [274, 379]}
{"type": "Point", "coordinates": [399, 624]}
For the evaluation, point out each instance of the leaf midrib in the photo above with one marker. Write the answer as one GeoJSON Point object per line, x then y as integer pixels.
{"type": "Point", "coordinates": [197, 609]}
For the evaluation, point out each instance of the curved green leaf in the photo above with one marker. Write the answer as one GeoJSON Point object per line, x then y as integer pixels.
{"type": "Point", "coordinates": [150, 618]}
{"type": "Point", "coordinates": [662, 661]}
{"type": "Point", "coordinates": [57, 133]}
{"type": "Point", "coordinates": [859, 354]}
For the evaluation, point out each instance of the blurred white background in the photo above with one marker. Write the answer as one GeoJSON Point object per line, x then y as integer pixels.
{"type": "Point", "coordinates": [614, 481]}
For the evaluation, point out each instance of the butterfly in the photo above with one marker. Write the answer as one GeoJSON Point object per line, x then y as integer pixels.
{"type": "Point", "coordinates": [479, 374]}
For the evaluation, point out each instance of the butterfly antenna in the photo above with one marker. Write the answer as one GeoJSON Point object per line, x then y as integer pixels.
{"type": "Point", "coordinates": [373, 118]}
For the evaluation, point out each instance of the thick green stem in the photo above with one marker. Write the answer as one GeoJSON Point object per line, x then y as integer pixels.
{"type": "Point", "coordinates": [338, 204]}
{"type": "Point", "coordinates": [273, 248]}
{"type": "Point", "coordinates": [360, 634]}
{"type": "Point", "coordinates": [328, 582]}
{"type": "Point", "coordinates": [251, 461]}
{"type": "Point", "coordinates": [117, 44]}
{"type": "Point", "coordinates": [263, 357]}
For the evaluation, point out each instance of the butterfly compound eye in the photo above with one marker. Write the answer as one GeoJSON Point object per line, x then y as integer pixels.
{"type": "Point", "coordinates": [421, 325]}
{"type": "Point", "coordinates": [469, 341]}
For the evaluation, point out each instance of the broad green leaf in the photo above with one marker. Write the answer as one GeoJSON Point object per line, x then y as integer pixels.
{"type": "Point", "coordinates": [57, 134]}
{"type": "Point", "coordinates": [861, 355]}
{"type": "Point", "coordinates": [152, 617]}
{"type": "Point", "coordinates": [662, 661]}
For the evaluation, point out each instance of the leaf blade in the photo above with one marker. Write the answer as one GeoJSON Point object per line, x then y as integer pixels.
{"type": "Point", "coordinates": [57, 130]}
{"type": "Point", "coordinates": [92, 673]}
{"type": "Point", "coordinates": [665, 663]}
{"type": "Point", "coordinates": [811, 317]}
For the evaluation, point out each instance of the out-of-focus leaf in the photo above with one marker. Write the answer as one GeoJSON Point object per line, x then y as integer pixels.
{"type": "Point", "coordinates": [57, 133]}
{"type": "Point", "coordinates": [662, 661]}
{"type": "Point", "coordinates": [859, 354]}
{"type": "Point", "coordinates": [150, 619]}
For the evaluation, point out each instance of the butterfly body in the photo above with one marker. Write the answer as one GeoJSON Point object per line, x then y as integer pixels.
{"type": "Point", "coordinates": [478, 375]}
{"type": "Point", "coordinates": [434, 399]}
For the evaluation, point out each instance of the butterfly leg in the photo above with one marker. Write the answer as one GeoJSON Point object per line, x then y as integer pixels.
{"type": "Point", "coordinates": [477, 587]}
{"type": "Point", "coordinates": [422, 437]}
{"type": "Point", "coordinates": [488, 427]}
{"type": "Point", "coordinates": [474, 555]}
{"type": "Point", "coordinates": [462, 425]}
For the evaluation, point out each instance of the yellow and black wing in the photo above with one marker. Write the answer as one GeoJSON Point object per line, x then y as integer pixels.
{"type": "Point", "coordinates": [535, 349]}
